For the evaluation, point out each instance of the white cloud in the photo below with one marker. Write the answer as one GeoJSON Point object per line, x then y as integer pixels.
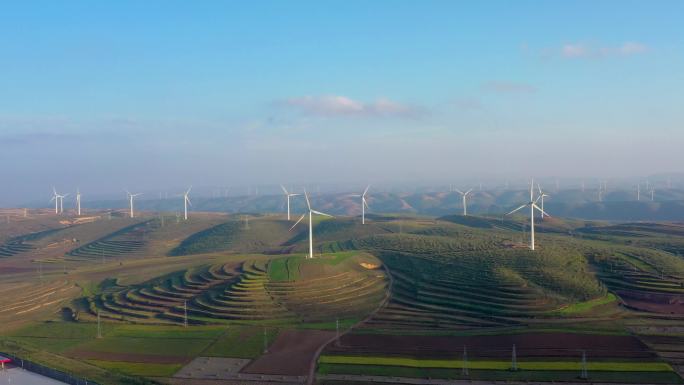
{"type": "Point", "coordinates": [334, 105]}
{"type": "Point", "coordinates": [504, 87]}
{"type": "Point", "coordinates": [631, 48]}
{"type": "Point", "coordinates": [581, 50]}
{"type": "Point", "coordinates": [574, 50]}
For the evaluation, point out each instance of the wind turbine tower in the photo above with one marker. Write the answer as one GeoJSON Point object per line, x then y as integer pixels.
{"type": "Point", "coordinates": [464, 195]}
{"type": "Point", "coordinates": [78, 202]}
{"type": "Point", "coordinates": [533, 205]}
{"type": "Point", "coordinates": [59, 201]}
{"type": "Point", "coordinates": [55, 197]}
{"type": "Point", "coordinates": [542, 195]}
{"type": "Point", "coordinates": [287, 197]}
{"type": "Point", "coordinates": [311, 212]}
{"type": "Point", "coordinates": [186, 202]}
{"type": "Point", "coordinates": [364, 204]}
{"type": "Point", "coordinates": [130, 199]}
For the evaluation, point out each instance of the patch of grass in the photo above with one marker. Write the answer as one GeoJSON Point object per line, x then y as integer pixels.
{"type": "Point", "coordinates": [334, 258]}
{"type": "Point", "coordinates": [240, 341]}
{"type": "Point", "coordinates": [168, 332]}
{"type": "Point", "coordinates": [583, 307]}
{"type": "Point", "coordinates": [138, 369]}
{"type": "Point", "coordinates": [344, 324]}
{"type": "Point", "coordinates": [175, 347]}
{"type": "Point", "coordinates": [499, 375]}
{"type": "Point", "coordinates": [284, 269]}
{"type": "Point", "coordinates": [497, 365]}
{"type": "Point", "coordinates": [60, 330]}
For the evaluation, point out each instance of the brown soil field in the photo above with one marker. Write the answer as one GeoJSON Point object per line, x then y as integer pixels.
{"type": "Point", "coordinates": [495, 346]}
{"type": "Point", "coordinates": [291, 353]}
{"type": "Point", "coordinates": [127, 357]}
{"type": "Point", "coordinates": [653, 302]}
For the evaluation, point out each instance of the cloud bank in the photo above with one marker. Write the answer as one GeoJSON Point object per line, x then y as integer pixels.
{"type": "Point", "coordinates": [582, 50]}
{"type": "Point", "coordinates": [335, 105]}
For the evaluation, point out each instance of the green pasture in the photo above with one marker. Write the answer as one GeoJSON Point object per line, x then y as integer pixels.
{"type": "Point", "coordinates": [495, 364]}
{"type": "Point", "coordinates": [634, 377]}
{"type": "Point", "coordinates": [241, 341]}
{"type": "Point", "coordinates": [142, 369]}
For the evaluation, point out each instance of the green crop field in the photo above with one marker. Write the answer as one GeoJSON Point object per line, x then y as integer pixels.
{"type": "Point", "coordinates": [138, 369]}
{"type": "Point", "coordinates": [457, 363]}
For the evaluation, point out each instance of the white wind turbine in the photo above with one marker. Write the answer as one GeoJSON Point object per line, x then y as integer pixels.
{"type": "Point", "coordinates": [542, 195]}
{"type": "Point", "coordinates": [465, 197]}
{"type": "Point", "coordinates": [59, 201]}
{"type": "Point", "coordinates": [311, 212]}
{"type": "Point", "coordinates": [55, 197]}
{"type": "Point", "coordinates": [78, 202]}
{"type": "Point", "coordinates": [533, 205]}
{"type": "Point", "coordinates": [364, 204]}
{"type": "Point", "coordinates": [287, 196]}
{"type": "Point", "coordinates": [186, 202]}
{"type": "Point", "coordinates": [130, 199]}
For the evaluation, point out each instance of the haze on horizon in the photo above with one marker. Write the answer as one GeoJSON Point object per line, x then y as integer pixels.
{"type": "Point", "coordinates": [147, 95]}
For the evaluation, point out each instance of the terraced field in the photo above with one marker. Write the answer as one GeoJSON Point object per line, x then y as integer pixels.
{"type": "Point", "coordinates": [23, 243]}
{"type": "Point", "coordinates": [426, 297]}
{"type": "Point", "coordinates": [128, 242]}
{"type": "Point", "coordinates": [261, 235]}
{"type": "Point", "coordinates": [454, 282]}
{"type": "Point", "coordinates": [24, 301]}
{"type": "Point", "coordinates": [245, 292]}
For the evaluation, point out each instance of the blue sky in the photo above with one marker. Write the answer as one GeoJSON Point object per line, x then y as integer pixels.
{"type": "Point", "coordinates": [152, 94]}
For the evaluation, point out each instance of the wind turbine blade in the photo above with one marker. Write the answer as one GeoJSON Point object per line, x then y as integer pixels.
{"type": "Point", "coordinates": [320, 213]}
{"type": "Point", "coordinates": [539, 187]}
{"type": "Point", "coordinates": [188, 192]}
{"type": "Point", "coordinates": [519, 208]}
{"type": "Point", "coordinates": [294, 195]}
{"type": "Point", "coordinates": [537, 200]}
{"type": "Point", "coordinates": [306, 195]}
{"type": "Point", "coordinates": [468, 192]}
{"type": "Point", "coordinates": [54, 190]}
{"type": "Point", "coordinates": [284, 190]}
{"type": "Point", "coordinates": [365, 191]}
{"type": "Point", "coordinates": [188, 199]}
{"type": "Point", "coordinates": [365, 202]}
{"type": "Point", "coordinates": [53, 198]}
{"type": "Point", "coordinates": [299, 220]}
{"type": "Point", "coordinates": [540, 210]}
{"type": "Point", "coordinates": [459, 191]}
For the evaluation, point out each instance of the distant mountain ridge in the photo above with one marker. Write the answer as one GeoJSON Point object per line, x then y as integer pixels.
{"type": "Point", "coordinates": [618, 205]}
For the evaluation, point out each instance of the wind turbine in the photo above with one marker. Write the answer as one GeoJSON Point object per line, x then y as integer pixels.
{"type": "Point", "coordinates": [542, 195]}
{"type": "Point", "coordinates": [364, 204]}
{"type": "Point", "coordinates": [186, 202]}
{"type": "Point", "coordinates": [465, 196]}
{"type": "Point", "coordinates": [55, 197]}
{"type": "Point", "coordinates": [311, 212]}
{"type": "Point", "coordinates": [533, 205]}
{"type": "Point", "coordinates": [59, 201]}
{"type": "Point", "coordinates": [78, 202]}
{"type": "Point", "coordinates": [130, 198]}
{"type": "Point", "coordinates": [287, 196]}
